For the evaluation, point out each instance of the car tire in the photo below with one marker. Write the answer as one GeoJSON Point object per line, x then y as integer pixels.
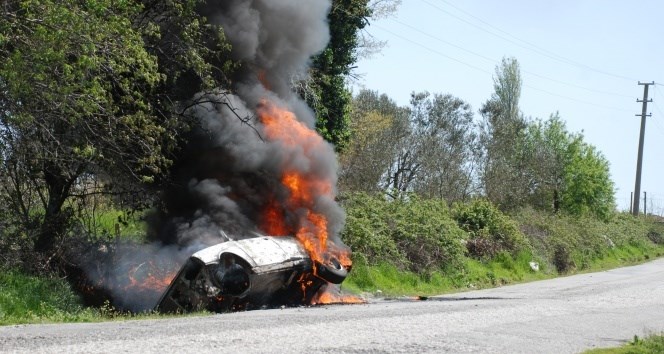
{"type": "Point", "coordinates": [332, 271]}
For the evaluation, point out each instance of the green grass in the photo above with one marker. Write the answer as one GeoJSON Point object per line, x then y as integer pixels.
{"type": "Point", "coordinates": [132, 227]}
{"type": "Point", "coordinates": [391, 281]}
{"type": "Point", "coordinates": [624, 256]}
{"type": "Point", "coordinates": [653, 344]}
{"type": "Point", "coordinates": [501, 270]}
{"type": "Point", "coordinates": [583, 244]}
{"type": "Point", "coordinates": [27, 299]}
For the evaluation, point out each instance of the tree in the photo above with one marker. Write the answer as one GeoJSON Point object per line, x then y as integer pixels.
{"type": "Point", "coordinates": [325, 91]}
{"type": "Point", "coordinates": [368, 45]}
{"type": "Point", "coordinates": [588, 185]}
{"type": "Point", "coordinates": [567, 174]}
{"type": "Point", "coordinates": [426, 148]}
{"type": "Point", "coordinates": [547, 146]}
{"type": "Point", "coordinates": [94, 88]}
{"type": "Point", "coordinates": [376, 124]}
{"type": "Point", "coordinates": [502, 131]}
{"type": "Point", "coordinates": [446, 141]}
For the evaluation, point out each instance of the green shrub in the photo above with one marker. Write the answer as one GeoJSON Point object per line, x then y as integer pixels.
{"type": "Point", "coordinates": [562, 258]}
{"type": "Point", "coordinates": [414, 234]}
{"type": "Point", "coordinates": [490, 231]}
{"type": "Point", "coordinates": [366, 230]}
{"type": "Point", "coordinates": [426, 234]}
{"type": "Point", "coordinates": [570, 242]}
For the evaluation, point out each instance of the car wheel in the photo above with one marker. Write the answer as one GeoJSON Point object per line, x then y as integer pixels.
{"type": "Point", "coordinates": [331, 271]}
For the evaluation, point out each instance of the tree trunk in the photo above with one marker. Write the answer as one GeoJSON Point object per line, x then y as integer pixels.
{"type": "Point", "coordinates": [55, 221]}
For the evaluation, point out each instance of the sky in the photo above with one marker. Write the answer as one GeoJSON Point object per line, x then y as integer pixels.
{"type": "Point", "coordinates": [582, 58]}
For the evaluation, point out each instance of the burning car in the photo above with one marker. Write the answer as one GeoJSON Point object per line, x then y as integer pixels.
{"type": "Point", "coordinates": [262, 271]}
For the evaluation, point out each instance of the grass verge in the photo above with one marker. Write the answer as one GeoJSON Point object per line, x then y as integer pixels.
{"type": "Point", "coordinates": [28, 299]}
{"type": "Point", "coordinates": [386, 280]}
{"type": "Point", "coordinates": [653, 344]}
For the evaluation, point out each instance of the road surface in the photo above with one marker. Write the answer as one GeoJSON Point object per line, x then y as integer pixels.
{"type": "Point", "coordinates": [564, 315]}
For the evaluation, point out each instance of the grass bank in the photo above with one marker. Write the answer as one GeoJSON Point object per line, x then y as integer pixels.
{"type": "Point", "coordinates": [398, 254]}
{"type": "Point", "coordinates": [387, 280]}
{"type": "Point", "coordinates": [29, 299]}
{"type": "Point", "coordinates": [653, 344]}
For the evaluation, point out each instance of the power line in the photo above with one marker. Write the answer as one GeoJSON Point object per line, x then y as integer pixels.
{"type": "Point", "coordinates": [528, 46]}
{"type": "Point", "coordinates": [433, 50]}
{"type": "Point", "coordinates": [495, 62]}
{"type": "Point", "coordinates": [660, 128]}
{"type": "Point", "coordinates": [577, 100]}
{"type": "Point", "coordinates": [487, 72]}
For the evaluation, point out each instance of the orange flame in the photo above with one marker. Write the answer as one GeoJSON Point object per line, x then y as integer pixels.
{"type": "Point", "coordinates": [328, 297]}
{"type": "Point", "coordinates": [151, 279]}
{"type": "Point", "coordinates": [282, 126]}
{"type": "Point", "coordinates": [273, 220]}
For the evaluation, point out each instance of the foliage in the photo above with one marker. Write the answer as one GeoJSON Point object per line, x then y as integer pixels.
{"type": "Point", "coordinates": [579, 242]}
{"type": "Point", "coordinates": [548, 148]}
{"type": "Point", "coordinates": [326, 92]}
{"type": "Point", "coordinates": [426, 149]}
{"type": "Point", "coordinates": [376, 127]}
{"type": "Point", "coordinates": [193, 54]}
{"type": "Point", "coordinates": [74, 80]}
{"type": "Point", "coordinates": [388, 280]}
{"type": "Point", "coordinates": [384, 279]}
{"type": "Point", "coordinates": [589, 188]}
{"type": "Point", "coordinates": [490, 231]}
{"type": "Point", "coordinates": [566, 174]}
{"type": "Point", "coordinates": [93, 91]}
{"type": "Point", "coordinates": [445, 141]}
{"type": "Point", "coordinates": [538, 163]}
{"type": "Point", "coordinates": [48, 299]}
{"type": "Point", "coordinates": [502, 129]}
{"type": "Point", "coordinates": [411, 233]}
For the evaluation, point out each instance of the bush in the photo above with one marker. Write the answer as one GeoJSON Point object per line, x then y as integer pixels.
{"type": "Point", "coordinates": [490, 231]}
{"type": "Point", "coordinates": [562, 258]}
{"type": "Point", "coordinates": [366, 230]}
{"type": "Point", "coordinates": [568, 241]}
{"type": "Point", "coordinates": [414, 234]}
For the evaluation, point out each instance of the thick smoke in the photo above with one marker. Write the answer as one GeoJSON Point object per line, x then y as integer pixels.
{"type": "Point", "coordinates": [230, 171]}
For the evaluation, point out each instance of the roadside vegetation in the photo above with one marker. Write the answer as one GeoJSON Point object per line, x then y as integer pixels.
{"type": "Point", "coordinates": [29, 299]}
{"type": "Point", "coordinates": [412, 247]}
{"type": "Point", "coordinates": [486, 246]}
{"type": "Point", "coordinates": [652, 344]}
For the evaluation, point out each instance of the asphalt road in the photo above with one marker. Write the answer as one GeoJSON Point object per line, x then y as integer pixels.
{"type": "Point", "coordinates": [564, 315]}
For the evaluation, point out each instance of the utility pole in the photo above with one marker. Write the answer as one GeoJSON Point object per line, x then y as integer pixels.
{"type": "Point", "coordinates": [639, 161]}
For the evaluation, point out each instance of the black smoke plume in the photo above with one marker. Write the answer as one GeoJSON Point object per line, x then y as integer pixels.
{"type": "Point", "coordinates": [229, 171]}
